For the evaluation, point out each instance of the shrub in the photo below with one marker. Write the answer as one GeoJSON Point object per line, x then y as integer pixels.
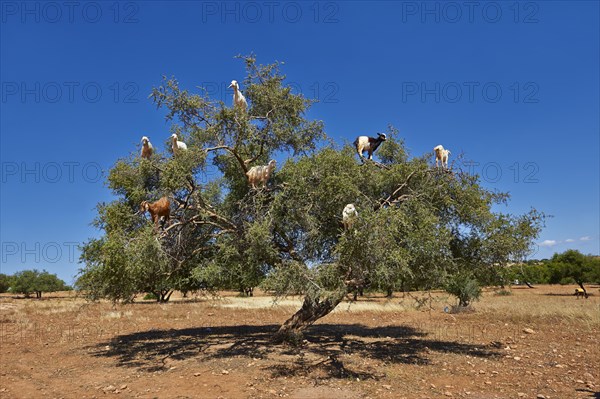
{"type": "Point", "coordinates": [464, 287]}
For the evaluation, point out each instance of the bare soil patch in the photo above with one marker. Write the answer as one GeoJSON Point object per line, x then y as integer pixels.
{"type": "Point", "coordinates": [533, 343]}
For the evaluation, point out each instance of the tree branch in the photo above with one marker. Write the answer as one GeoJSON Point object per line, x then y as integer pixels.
{"type": "Point", "coordinates": [233, 152]}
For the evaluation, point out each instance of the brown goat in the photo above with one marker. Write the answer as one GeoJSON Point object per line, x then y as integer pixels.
{"type": "Point", "coordinates": [157, 209]}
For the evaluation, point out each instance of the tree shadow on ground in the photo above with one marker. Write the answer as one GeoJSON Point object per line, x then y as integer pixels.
{"type": "Point", "coordinates": [322, 348]}
{"type": "Point", "coordinates": [565, 294]}
{"type": "Point", "coordinates": [593, 395]}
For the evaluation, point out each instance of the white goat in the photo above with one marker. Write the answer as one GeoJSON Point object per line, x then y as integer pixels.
{"type": "Point", "coordinates": [147, 148]}
{"type": "Point", "coordinates": [177, 145]}
{"type": "Point", "coordinates": [238, 98]}
{"type": "Point", "coordinates": [369, 144]}
{"type": "Point", "coordinates": [349, 215]}
{"type": "Point", "coordinates": [441, 155]}
{"type": "Point", "coordinates": [260, 174]}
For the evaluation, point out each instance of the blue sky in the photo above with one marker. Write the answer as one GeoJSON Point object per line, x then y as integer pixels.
{"type": "Point", "coordinates": [512, 86]}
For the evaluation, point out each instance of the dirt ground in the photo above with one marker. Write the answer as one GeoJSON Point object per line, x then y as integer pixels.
{"type": "Point", "coordinates": [535, 343]}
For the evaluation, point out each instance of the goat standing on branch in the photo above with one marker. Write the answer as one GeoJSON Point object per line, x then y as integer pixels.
{"type": "Point", "coordinates": [369, 144]}
{"type": "Point", "coordinates": [261, 174]}
{"type": "Point", "coordinates": [349, 215]}
{"type": "Point", "coordinates": [177, 145]}
{"type": "Point", "coordinates": [238, 98]}
{"type": "Point", "coordinates": [147, 148]}
{"type": "Point", "coordinates": [158, 209]}
{"type": "Point", "coordinates": [441, 155]}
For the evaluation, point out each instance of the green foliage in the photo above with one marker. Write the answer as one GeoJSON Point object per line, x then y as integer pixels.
{"type": "Point", "coordinates": [5, 282]}
{"type": "Point", "coordinates": [464, 287]}
{"type": "Point", "coordinates": [28, 282]}
{"type": "Point", "coordinates": [569, 267]}
{"type": "Point", "coordinates": [150, 297]}
{"type": "Point", "coordinates": [417, 226]}
{"type": "Point", "coordinates": [574, 266]}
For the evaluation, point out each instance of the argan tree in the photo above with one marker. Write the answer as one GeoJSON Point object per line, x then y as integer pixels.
{"type": "Point", "coordinates": [28, 282]}
{"type": "Point", "coordinates": [416, 227]}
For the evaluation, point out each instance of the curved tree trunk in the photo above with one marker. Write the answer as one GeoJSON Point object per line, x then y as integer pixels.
{"type": "Point", "coordinates": [312, 310]}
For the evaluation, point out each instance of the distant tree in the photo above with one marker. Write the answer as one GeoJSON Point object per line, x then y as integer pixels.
{"type": "Point", "coordinates": [5, 282]}
{"type": "Point", "coordinates": [530, 273]}
{"type": "Point", "coordinates": [574, 266]}
{"type": "Point", "coordinates": [417, 226]}
{"type": "Point", "coordinates": [28, 282]}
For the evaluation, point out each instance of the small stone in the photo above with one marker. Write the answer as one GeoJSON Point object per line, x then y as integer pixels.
{"type": "Point", "coordinates": [540, 396]}
{"type": "Point", "coordinates": [109, 388]}
{"type": "Point", "coordinates": [387, 386]}
{"type": "Point", "coordinates": [197, 374]}
{"type": "Point", "coordinates": [448, 393]}
{"type": "Point", "coordinates": [517, 358]}
{"type": "Point", "coordinates": [528, 331]}
{"type": "Point", "coordinates": [123, 387]}
{"type": "Point", "coordinates": [224, 372]}
{"type": "Point", "coordinates": [521, 395]}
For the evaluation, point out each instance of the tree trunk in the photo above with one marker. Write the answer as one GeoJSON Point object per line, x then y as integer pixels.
{"type": "Point", "coordinates": [528, 284]}
{"type": "Point", "coordinates": [165, 296]}
{"type": "Point", "coordinates": [312, 310]}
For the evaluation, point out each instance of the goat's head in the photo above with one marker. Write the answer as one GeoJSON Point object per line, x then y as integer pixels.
{"type": "Point", "coordinates": [272, 164]}
{"type": "Point", "coordinates": [144, 206]}
{"type": "Point", "coordinates": [145, 140]}
{"type": "Point", "coordinates": [381, 136]}
{"type": "Point", "coordinates": [350, 209]}
{"type": "Point", "coordinates": [234, 84]}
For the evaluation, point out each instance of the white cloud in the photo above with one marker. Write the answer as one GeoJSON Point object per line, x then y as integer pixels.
{"type": "Point", "coordinates": [548, 243]}
{"type": "Point", "coordinates": [569, 240]}
{"type": "Point", "coordinates": [586, 238]}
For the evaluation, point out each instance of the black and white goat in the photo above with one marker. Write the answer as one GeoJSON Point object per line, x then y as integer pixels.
{"type": "Point", "coordinates": [369, 144]}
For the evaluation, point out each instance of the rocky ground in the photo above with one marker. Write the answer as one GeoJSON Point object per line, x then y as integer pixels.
{"type": "Point", "coordinates": [535, 343]}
